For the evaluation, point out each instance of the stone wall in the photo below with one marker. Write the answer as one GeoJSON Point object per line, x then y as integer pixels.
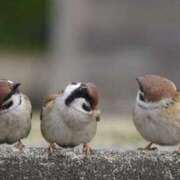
{"type": "Point", "coordinates": [36, 163]}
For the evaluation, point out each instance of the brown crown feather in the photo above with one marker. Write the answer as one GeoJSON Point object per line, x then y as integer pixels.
{"type": "Point", "coordinates": [5, 89]}
{"type": "Point", "coordinates": [156, 87]}
{"type": "Point", "coordinates": [93, 92]}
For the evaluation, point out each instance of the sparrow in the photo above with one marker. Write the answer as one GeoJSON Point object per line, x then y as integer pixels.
{"type": "Point", "coordinates": [70, 118]}
{"type": "Point", "coordinates": [157, 111]}
{"type": "Point", "coordinates": [15, 114]}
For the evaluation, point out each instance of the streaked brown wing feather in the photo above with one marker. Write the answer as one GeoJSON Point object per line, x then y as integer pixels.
{"type": "Point", "coordinates": [50, 98]}
{"type": "Point", "coordinates": [26, 98]}
{"type": "Point", "coordinates": [172, 112]}
{"type": "Point", "coordinates": [48, 102]}
{"type": "Point", "coordinates": [177, 97]}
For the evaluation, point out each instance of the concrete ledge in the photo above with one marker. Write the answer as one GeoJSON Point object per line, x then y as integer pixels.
{"type": "Point", "coordinates": [35, 163]}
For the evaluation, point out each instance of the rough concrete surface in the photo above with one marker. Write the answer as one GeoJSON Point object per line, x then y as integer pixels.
{"type": "Point", "coordinates": [36, 163]}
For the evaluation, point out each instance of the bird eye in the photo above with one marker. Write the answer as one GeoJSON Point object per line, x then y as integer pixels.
{"type": "Point", "coordinates": [141, 96]}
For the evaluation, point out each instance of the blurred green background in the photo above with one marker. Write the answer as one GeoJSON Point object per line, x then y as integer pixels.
{"type": "Point", "coordinates": [24, 25]}
{"type": "Point", "coordinates": [45, 44]}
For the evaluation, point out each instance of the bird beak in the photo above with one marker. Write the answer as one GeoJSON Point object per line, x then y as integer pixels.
{"type": "Point", "coordinates": [15, 86]}
{"type": "Point", "coordinates": [139, 81]}
{"type": "Point", "coordinates": [93, 93]}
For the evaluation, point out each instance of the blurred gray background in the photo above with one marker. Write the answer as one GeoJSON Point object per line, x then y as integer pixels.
{"type": "Point", "coordinates": [45, 44]}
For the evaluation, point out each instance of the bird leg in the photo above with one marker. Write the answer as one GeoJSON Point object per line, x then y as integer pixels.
{"type": "Point", "coordinates": [19, 145]}
{"type": "Point", "coordinates": [87, 149]}
{"type": "Point", "coordinates": [178, 149]}
{"type": "Point", "coordinates": [51, 147]}
{"type": "Point", "coordinates": [148, 147]}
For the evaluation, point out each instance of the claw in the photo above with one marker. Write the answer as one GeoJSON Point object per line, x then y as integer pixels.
{"type": "Point", "coordinates": [148, 148]}
{"type": "Point", "coordinates": [178, 149]}
{"type": "Point", "coordinates": [51, 148]}
{"type": "Point", "coordinates": [87, 149]}
{"type": "Point", "coordinates": [19, 145]}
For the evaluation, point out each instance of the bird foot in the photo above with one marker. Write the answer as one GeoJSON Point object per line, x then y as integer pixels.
{"type": "Point", "coordinates": [148, 148]}
{"type": "Point", "coordinates": [87, 149]}
{"type": "Point", "coordinates": [19, 145]}
{"type": "Point", "coordinates": [178, 149]}
{"type": "Point", "coordinates": [51, 148]}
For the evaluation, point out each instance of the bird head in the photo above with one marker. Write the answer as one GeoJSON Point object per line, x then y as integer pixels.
{"type": "Point", "coordinates": [82, 95]}
{"type": "Point", "coordinates": [154, 88]}
{"type": "Point", "coordinates": [7, 90]}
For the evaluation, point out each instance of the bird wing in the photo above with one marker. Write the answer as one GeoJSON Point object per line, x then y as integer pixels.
{"type": "Point", "coordinates": [172, 112]}
{"type": "Point", "coordinates": [48, 103]}
{"type": "Point", "coordinates": [26, 98]}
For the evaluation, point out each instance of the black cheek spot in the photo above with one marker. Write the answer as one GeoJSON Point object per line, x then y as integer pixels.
{"type": "Point", "coordinates": [141, 96]}
{"type": "Point", "coordinates": [86, 107]}
{"type": "Point", "coordinates": [7, 106]}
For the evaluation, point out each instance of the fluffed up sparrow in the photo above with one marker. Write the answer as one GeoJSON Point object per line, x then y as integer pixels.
{"type": "Point", "coordinates": [15, 114]}
{"type": "Point", "coordinates": [70, 118]}
{"type": "Point", "coordinates": [157, 111]}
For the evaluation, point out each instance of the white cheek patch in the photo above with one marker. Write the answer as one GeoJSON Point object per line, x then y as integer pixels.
{"type": "Point", "coordinates": [10, 82]}
{"type": "Point", "coordinates": [16, 99]}
{"type": "Point", "coordinates": [70, 88]}
{"type": "Point", "coordinates": [152, 105]}
{"type": "Point", "coordinates": [77, 105]}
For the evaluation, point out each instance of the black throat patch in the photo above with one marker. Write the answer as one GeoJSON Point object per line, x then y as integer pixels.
{"type": "Point", "coordinates": [81, 92]}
